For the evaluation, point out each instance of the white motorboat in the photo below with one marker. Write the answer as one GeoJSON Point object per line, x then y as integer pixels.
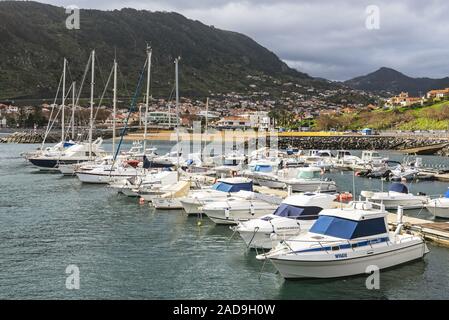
{"type": "Point", "coordinates": [243, 206]}
{"type": "Point", "coordinates": [345, 242]}
{"type": "Point", "coordinates": [296, 214]}
{"type": "Point", "coordinates": [131, 186]}
{"type": "Point", "coordinates": [439, 207]}
{"type": "Point", "coordinates": [397, 195]}
{"type": "Point", "coordinates": [222, 189]}
{"type": "Point", "coordinates": [170, 198]}
{"type": "Point", "coordinates": [309, 180]}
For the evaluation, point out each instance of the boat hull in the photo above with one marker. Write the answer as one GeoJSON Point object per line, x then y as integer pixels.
{"type": "Point", "coordinates": [291, 269]}
{"type": "Point", "coordinates": [166, 204]}
{"type": "Point", "coordinates": [219, 216]}
{"type": "Point", "coordinates": [438, 208]}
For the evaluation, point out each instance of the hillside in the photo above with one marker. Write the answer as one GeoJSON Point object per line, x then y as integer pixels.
{"type": "Point", "coordinates": [386, 80]}
{"type": "Point", "coordinates": [34, 41]}
{"type": "Point", "coordinates": [433, 116]}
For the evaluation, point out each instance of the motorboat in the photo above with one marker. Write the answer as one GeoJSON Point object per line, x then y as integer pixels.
{"type": "Point", "coordinates": [397, 195]}
{"type": "Point", "coordinates": [345, 242]}
{"type": "Point", "coordinates": [296, 214]}
{"type": "Point", "coordinates": [439, 207]}
{"type": "Point", "coordinates": [221, 189]}
{"type": "Point", "coordinates": [131, 186]}
{"type": "Point", "coordinates": [309, 179]}
{"type": "Point", "coordinates": [76, 153]}
{"type": "Point", "coordinates": [243, 206]}
{"type": "Point", "coordinates": [170, 198]}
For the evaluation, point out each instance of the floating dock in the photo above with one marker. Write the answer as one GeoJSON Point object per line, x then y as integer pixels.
{"type": "Point", "coordinates": [437, 232]}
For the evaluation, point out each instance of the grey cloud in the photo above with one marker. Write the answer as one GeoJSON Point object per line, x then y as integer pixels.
{"type": "Point", "coordinates": [324, 38]}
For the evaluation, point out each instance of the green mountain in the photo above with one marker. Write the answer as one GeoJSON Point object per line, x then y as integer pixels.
{"type": "Point", "coordinates": [386, 80]}
{"type": "Point", "coordinates": [34, 40]}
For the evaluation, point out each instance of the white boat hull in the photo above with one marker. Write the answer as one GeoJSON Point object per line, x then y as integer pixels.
{"type": "Point", "coordinates": [290, 268]}
{"type": "Point", "coordinates": [220, 216]}
{"type": "Point", "coordinates": [439, 207]}
{"type": "Point", "coordinates": [166, 204]}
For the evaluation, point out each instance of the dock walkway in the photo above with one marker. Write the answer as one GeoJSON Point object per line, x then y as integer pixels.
{"type": "Point", "coordinates": [437, 232]}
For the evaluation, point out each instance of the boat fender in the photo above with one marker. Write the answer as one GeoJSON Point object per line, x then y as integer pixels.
{"type": "Point", "coordinates": [273, 236]}
{"type": "Point", "coordinates": [251, 209]}
{"type": "Point", "coordinates": [227, 213]}
{"type": "Point", "coordinates": [141, 200]}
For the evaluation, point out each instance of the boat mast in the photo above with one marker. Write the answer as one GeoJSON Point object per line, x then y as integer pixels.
{"type": "Point", "coordinates": [91, 120]}
{"type": "Point", "coordinates": [63, 101]}
{"type": "Point", "coordinates": [149, 52]}
{"type": "Point", "coordinates": [177, 108]}
{"type": "Point", "coordinates": [114, 103]}
{"type": "Point", "coordinates": [73, 109]}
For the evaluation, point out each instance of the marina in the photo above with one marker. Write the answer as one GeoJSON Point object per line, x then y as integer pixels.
{"type": "Point", "coordinates": [116, 241]}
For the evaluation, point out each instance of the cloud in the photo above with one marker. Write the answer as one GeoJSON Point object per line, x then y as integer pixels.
{"type": "Point", "coordinates": [324, 38]}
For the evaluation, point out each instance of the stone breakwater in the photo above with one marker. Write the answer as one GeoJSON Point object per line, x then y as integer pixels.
{"type": "Point", "coordinates": [38, 137]}
{"type": "Point", "coordinates": [361, 142]}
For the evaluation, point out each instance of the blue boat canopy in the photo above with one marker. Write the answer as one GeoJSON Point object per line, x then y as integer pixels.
{"type": "Point", "coordinates": [289, 211]}
{"type": "Point", "coordinates": [68, 144]}
{"type": "Point", "coordinates": [263, 168]}
{"type": "Point", "coordinates": [447, 194]}
{"type": "Point", "coordinates": [398, 187]}
{"type": "Point", "coordinates": [230, 187]}
{"type": "Point", "coordinates": [348, 229]}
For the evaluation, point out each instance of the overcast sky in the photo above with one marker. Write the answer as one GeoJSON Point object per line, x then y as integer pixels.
{"type": "Point", "coordinates": [325, 38]}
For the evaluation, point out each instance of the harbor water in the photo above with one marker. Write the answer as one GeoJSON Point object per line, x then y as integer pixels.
{"type": "Point", "coordinates": [125, 250]}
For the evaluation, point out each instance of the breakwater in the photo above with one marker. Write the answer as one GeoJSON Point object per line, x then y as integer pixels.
{"type": "Point", "coordinates": [361, 142]}
{"type": "Point", "coordinates": [52, 137]}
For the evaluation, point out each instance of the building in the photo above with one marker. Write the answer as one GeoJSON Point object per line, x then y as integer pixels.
{"type": "Point", "coordinates": [438, 94]}
{"type": "Point", "coordinates": [163, 119]}
{"type": "Point", "coordinates": [234, 122]}
{"type": "Point", "coordinates": [403, 100]}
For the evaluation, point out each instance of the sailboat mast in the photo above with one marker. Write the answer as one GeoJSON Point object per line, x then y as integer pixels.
{"type": "Point", "coordinates": [149, 52]}
{"type": "Point", "coordinates": [91, 120]}
{"type": "Point", "coordinates": [114, 107]}
{"type": "Point", "coordinates": [73, 109]}
{"type": "Point", "coordinates": [177, 107]}
{"type": "Point", "coordinates": [63, 101]}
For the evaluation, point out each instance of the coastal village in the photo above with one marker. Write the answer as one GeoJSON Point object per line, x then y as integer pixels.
{"type": "Point", "coordinates": [231, 111]}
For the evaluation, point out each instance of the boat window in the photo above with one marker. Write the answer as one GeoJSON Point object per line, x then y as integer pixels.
{"type": "Point", "coordinates": [228, 187]}
{"type": "Point", "coordinates": [263, 168]}
{"type": "Point", "coordinates": [335, 248]}
{"type": "Point", "coordinates": [348, 229]}
{"type": "Point", "coordinates": [289, 211]}
{"type": "Point", "coordinates": [309, 175]}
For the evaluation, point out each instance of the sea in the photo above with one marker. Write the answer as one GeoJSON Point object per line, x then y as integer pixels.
{"type": "Point", "coordinates": [51, 225]}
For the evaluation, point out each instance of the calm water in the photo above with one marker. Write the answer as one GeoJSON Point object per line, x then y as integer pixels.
{"type": "Point", "coordinates": [126, 250]}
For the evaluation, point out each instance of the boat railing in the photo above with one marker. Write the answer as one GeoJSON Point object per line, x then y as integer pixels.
{"type": "Point", "coordinates": [328, 245]}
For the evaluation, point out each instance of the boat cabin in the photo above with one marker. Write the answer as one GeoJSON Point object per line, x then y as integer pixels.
{"type": "Point", "coordinates": [351, 223]}
{"type": "Point", "coordinates": [309, 173]}
{"type": "Point", "coordinates": [398, 187]}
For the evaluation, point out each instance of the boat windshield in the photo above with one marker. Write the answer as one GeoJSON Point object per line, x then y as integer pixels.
{"type": "Point", "coordinates": [289, 211]}
{"type": "Point", "coordinates": [348, 229]}
{"type": "Point", "coordinates": [263, 168]}
{"type": "Point", "coordinates": [309, 174]}
{"type": "Point", "coordinates": [229, 187]}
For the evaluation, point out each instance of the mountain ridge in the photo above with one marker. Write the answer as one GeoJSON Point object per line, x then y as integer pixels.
{"type": "Point", "coordinates": [390, 81]}
{"type": "Point", "coordinates": [213, 60]}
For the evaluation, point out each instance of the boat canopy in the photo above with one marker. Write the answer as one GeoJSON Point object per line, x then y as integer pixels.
{"type": "Point", "coordinates": [289, 211]}
{"type": "Point", "coordinates": [263, 168]}
{"type": "Point", "coordinates": [309, 173]}
{"type": "Point", "coordinates": [398, 187]}
{"type": "Point", "coordinates": [348, 229]}
{"type": "Point", "coordinates": [447, 194]}
{"type": "Point", "coordinates": [233, 187]}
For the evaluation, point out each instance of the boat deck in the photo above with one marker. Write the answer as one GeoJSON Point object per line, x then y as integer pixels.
{"type": "Point", "coordinates": [437, 232]}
